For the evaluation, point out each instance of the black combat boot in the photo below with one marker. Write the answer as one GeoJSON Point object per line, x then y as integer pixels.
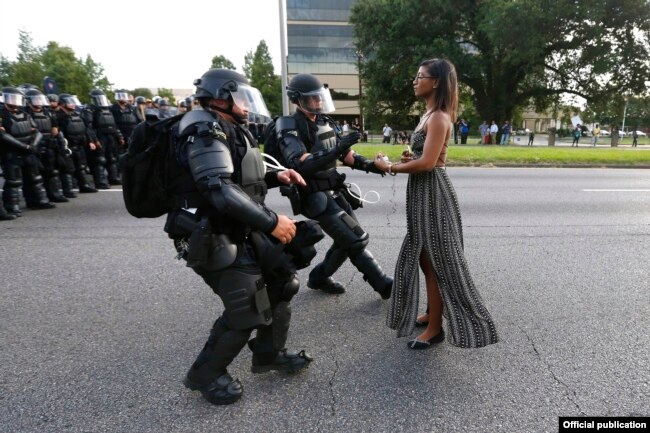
{"type": "Point", "coordinates": [208, 373]}
{"type": "Point", "coordinates": [66, 185]}
{"type": "Point", "coordinates": [320, 278]}
{"type": "Point", "coordinates": [372, 273]}
{"type": "Point", "coordinates": [266, 359]}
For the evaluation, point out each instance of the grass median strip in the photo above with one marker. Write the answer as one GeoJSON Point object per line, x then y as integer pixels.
{"type": "Point", "coordinates": [524, 155]}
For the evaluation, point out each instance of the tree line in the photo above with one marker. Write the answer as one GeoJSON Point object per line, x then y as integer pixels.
{"type": "Point", "coordinates": [79, 76]}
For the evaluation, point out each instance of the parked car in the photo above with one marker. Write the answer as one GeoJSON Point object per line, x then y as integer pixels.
{"type": "Point", "coordinates": [641, 134]}
{"type": "Point", "coordinates": [622, 134]}
{"type": "Point", "coordinates": [604, 132]}
{"type": "Point", "coordinates": [521, 131]}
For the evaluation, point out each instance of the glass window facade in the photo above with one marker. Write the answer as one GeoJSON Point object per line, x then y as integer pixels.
{"type": "Point", "coordinates": [321, 49]}
{"type": "Point", "coordinates": [319, 10]}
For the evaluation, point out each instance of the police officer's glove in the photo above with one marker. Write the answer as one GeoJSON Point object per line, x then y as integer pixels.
{"type": "Point", "coordinates": [347, 141]}
{"type": "Point", "coordinates": [372, 168]}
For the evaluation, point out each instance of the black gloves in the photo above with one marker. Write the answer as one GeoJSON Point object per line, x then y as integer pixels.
{"type": "Point", "coordinates": [363, 163]}
{"type": "Point", "coordinates": [348, 140]}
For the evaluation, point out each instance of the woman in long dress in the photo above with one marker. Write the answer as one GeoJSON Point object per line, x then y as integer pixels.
{"type": "Point", "coordinates": [434, 238]}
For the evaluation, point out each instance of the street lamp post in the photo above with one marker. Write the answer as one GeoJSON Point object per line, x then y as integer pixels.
{"type": "Point", "coordinates": [359, 55]}
{"type": "Point", "coordinates": [624, 113]}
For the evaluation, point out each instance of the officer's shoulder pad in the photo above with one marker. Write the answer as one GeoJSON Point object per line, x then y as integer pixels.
{"type": "Point", "coordinates": [193, 117]}
{"type": "Point", "coordinates": [285, 123]}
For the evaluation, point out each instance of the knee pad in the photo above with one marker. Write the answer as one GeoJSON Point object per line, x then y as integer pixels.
{"type": "Point", "coordinates": [244, 297]}
{"type": "Point", "coordinates": [101, 160]}
{"type": "Point", "coordinates": [290, 289]}
{"type": "Point", "coordinates": [343, 229]}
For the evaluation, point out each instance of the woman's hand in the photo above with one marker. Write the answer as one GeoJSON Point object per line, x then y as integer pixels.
{"type": "Point", "coordinates": [406, 156]}
{"type": "Point", "coordinates": [380, 162]}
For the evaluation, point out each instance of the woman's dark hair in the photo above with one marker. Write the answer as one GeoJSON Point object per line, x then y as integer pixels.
{"type": "Point", "coordinates": [447, 90]}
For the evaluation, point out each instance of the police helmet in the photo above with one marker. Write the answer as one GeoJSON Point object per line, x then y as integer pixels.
{"type": "Point", "coordinates": [13, 96]}
{"type": "Point", "coordinates": [226, 84]}
{"type": "Point", "coordinates": [36, 98]}
{"type": "Point", "coordinates": [68, 101]}
{"type": "Point", "coordinates": [98, 98]}
{"type": "Point", "coordinates": [122, 96]}
{"type": "Point", "coordinates": [53, 97]}
{"type": "Point", "coordinates": [140, 100]}
{"type": "Point", "coordinates": [163, 102]}
{"type": "Point", "coordinates": [307, 92]}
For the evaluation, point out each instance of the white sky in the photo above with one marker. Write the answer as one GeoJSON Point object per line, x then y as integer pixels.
{"type": "Point", "coordinates": [140, 44]}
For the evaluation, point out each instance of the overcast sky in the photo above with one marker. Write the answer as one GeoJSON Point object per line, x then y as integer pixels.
{"type": "Point", "coordinates": [140, 44]}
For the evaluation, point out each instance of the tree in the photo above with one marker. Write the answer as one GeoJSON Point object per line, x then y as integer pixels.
{"type": "Point", "coordinates": [509, 53]}
{"type": "Point", "coordinates": [71, 74]}
{"type": "Point", "coordinates": [27, 68]}
{"type": "Point", "coordinates": [142, 91]}
{"type": "Point", "coordinates": [258, 68]}
{"type": "Point", "coordinates": [221, 62]}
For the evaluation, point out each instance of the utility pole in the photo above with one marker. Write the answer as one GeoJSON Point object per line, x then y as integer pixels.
{"type": "Point", "coordinates": [283, 56]}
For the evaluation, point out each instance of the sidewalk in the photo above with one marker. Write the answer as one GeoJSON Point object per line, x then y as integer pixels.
{"type": "Point", "coordinates": [542, 140]}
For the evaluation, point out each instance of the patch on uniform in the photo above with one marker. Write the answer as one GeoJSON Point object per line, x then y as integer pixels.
{"type": "Point", "coordinates": [294, 133]}
{"type": "Point", "coordinates": [218, 133]}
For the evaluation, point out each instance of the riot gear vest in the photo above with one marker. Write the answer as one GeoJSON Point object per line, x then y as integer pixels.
{"type": "Point", "coordinates": [19, 125]}
{"type": "Point", "coordinates": [73, 126]}
{"type": "Point", "coordinates": [325, 139]}
{"type": "Point", "coordinates": [125, 119]}
{"type": "Point", "coordinates": [252, 171]}
{"type": "Point", "coordinates": [103, 121]}
{"type": "Point", "coordinates": [43, 122]}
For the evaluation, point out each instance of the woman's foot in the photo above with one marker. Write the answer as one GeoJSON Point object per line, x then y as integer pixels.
{"type": "Point", "coordinates": [422, 320]}
{"type": "Point", "coordinates": [422, 342]}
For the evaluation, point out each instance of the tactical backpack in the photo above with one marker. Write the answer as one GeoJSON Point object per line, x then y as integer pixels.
{"type": "Point", "coordinates": [271, 145]}
{"type": "Point", "coordinates": [145, 168]}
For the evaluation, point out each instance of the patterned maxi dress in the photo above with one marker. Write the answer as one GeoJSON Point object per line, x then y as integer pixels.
{"type": "Point", "coordinates": [434, 224]}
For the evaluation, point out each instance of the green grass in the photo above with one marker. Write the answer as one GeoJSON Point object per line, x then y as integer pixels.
{"type": "Point", "coordinates": [523, 155]}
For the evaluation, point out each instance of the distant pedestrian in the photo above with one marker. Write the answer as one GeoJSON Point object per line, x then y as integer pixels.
{"type": "Point", "coordinates": [595, 134]}
{"type": "Point", "coordinates": [505, 133]}
{"type": "Point", "coordinates": [464, 131]}
{"type": "Point", "coordinates": [493, 132]}
{"type": "Point", "coordinates": [387, 133]}
{"type": "Point", "coordinates": [577, 133]}
{"type": "Point", "coordinates": [635, 137]}
{"type": "Point", "coordinates": [531, 137]}
{"type": "Point", "coordinates": [484, 130]}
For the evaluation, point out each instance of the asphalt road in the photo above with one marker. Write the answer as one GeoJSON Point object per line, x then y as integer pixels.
{"type": "Point", "coordinates": [99, 323]}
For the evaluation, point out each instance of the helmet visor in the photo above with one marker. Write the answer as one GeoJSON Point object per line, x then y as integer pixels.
{"type": "Point", "coordinates": [317, 102]}
{"type": "Point", "coordinates": [101, 101]}
{"type": "Point", "coordinates": [76, 100]}
{"type": "Point", "coordinates": [38, 100]}
{"type": "Point", "coordinates": [14, 99]}
{"type": "Point", "coordinates": [251, 99]}
{"type": "Point", "coordinates": [121, 96]}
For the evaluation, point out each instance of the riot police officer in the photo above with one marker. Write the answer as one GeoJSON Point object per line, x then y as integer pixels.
{"type": "Point", "coordinates": [76, 132]}
{"type": "Point", "coordinates": [125, 116]}
{"type": "Point", "coordinates": [233, 241]}
{"type": "Point", "coordinates": [107, 138]}
{"type": "Point", "coordinates": [309, 143]}
{"type": "Point", "coordinates": [52, 149]}
{"type": "Point", "coordinates": [19, 141]}
{"type": "Point", "coordinates": [140, 106]}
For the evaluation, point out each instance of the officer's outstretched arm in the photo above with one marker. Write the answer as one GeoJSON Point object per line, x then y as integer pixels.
{"type": "Point", "coordinates": [363, 163]}
{"type": "Point", "coordinates": [211, 166]}
{"type": "Point", "coordinates": [293, 149]}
